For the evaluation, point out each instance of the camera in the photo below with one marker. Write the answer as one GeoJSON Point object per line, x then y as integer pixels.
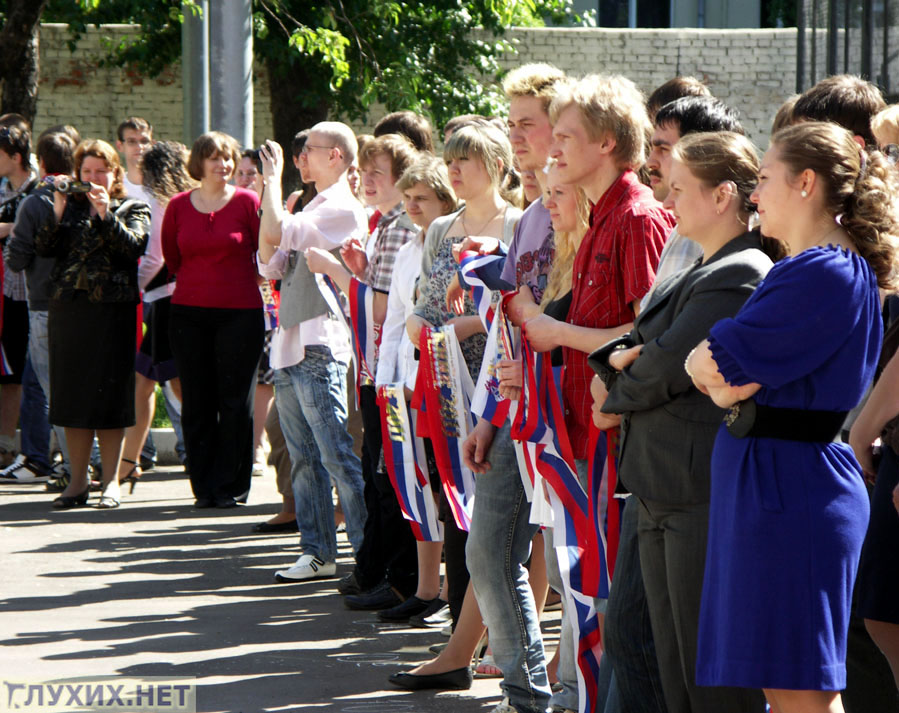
{"type": "Point", "coordinates": [70, 186]}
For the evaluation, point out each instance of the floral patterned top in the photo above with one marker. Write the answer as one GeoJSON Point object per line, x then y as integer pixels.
{"type": "Point", "coordinates": [437, 270]}
{"type": "Point", "coordinates": [96, 255]}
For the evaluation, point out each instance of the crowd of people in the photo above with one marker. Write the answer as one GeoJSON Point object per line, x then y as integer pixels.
{"type": "Point", "coordinates": [605, 347]}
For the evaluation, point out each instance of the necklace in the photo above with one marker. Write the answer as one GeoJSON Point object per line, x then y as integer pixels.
{"type": "Point", "coordinates": [823, 240]}
{"type": "Point", "coordinates": [489, 221]}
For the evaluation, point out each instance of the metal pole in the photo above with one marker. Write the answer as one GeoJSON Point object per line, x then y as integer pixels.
{"type": "Point", "coordinates": [846, 21]}
{"type": "Point", "coordinates": [885, 72]}
{"type": "Point", "coordinates": [801, 61]}
{"type": "Point", "coordinates": [814, 74]}
{"type": "Point", "coordinates": [195, 71]}
{"type": "Point", "coordinates": [231, 68]}
{"type": "Point", "coordinates": [832, 39]}
{"type": "Point", "coordinates": [867, 39]}
{"type": "Point", "coordinates": [632, 14]}
{"type": "Point", "coordinates": [700, 13]}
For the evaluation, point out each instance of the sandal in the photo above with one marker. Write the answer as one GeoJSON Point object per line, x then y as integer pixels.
{"type": "Point", "coordinates": [111, 497]}
{"type": "Point", "coordinates": [133, 475]}
{"type": "Point", "coordinates": [487, 667]}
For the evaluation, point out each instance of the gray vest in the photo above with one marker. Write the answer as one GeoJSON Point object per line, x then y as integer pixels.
{"type": "Point", "coordinates": [300, 296]}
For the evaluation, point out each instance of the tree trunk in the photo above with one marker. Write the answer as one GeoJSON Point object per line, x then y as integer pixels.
{"type": "Point", "coordinates": [19, 57]}
{"type": "Point", "coordinates": [288, 84]}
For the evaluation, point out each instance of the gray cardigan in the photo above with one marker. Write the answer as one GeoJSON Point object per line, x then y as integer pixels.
{"type": "Point", "coordinates": [437, 232]}
{"type": "Point", "coordinates": [668, 426]}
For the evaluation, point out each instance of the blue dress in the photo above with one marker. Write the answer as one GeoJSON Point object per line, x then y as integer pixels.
{"type": "Point", "coordinates": [788, 518]}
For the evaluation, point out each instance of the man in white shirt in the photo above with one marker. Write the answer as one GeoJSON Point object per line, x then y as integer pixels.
{"type": "Point", "coordinates": [134, 137]}
{"type": "Point", "coordinates": [310, 348]}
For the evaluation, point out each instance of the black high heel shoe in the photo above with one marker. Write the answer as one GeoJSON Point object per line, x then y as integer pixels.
{"type": "Point", "coordinates": [133, 474]}
{"type": "Point", "coordinates": [66, 502]}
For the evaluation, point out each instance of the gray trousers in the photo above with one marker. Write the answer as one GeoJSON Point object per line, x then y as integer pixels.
{"type": "Point", "coordinates": [672, 541]}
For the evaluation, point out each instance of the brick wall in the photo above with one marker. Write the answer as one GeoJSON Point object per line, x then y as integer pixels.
{"type": "Point", "coordinates": [753, 70]}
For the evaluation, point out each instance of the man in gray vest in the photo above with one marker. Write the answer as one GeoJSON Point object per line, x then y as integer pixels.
{"type": "Point", "coordinates": [310, 348]}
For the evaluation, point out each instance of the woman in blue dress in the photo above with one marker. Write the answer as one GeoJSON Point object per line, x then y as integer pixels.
{"type": "Point", "coordinates": [788, 504]}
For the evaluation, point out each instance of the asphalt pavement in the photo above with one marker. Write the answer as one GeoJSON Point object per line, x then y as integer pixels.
{"type": "Point", "coordinates": [156, 588]}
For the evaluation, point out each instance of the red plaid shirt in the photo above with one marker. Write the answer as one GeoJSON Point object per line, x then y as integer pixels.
{"type": "Point", "coordinates": [614, 267]}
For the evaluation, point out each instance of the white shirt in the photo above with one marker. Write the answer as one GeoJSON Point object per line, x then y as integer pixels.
{"type": "Point", "coordinates": [152, 261]}
{"type": "Point", "coordinates": [396, 356]}
{"type": "Point", "coordinates": [135, 190]}
{"type": "Point", "coordinates": [330, 218]}
{"type": "Point", "coordinates": [678, 254]}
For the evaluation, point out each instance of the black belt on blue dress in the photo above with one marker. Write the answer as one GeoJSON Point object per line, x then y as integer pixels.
{"type": "Point", "coordinates": [748, 419]}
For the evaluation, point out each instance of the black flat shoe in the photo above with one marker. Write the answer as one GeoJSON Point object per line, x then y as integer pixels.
{"type": "Point", "coordinates": [225, 503]}
{"type": "Point", "coordinates": [66, 502]}
{"type": "Point", "coordinates": [202, 503]}
{"type": "Point", "coordinates": [459, 679]}
{"type": "Point", "coordinates": [401, 612]}
{"type": "Point", "coordinates": [375, 599]}
{"type": "Point", "coordinates": [267, 528]}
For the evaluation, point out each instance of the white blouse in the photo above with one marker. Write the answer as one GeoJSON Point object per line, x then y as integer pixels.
{"type": "Point", "coordinates": [396, 355]}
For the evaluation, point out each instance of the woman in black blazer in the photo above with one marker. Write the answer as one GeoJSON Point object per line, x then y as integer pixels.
{"type": "Point", "coordinates": [668, 426]}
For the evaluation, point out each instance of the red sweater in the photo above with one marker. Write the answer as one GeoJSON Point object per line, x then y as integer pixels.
{"type": "Point", "coordinates": [213, 255]}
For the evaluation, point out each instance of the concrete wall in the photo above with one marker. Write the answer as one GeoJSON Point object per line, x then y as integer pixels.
{"type": "Point", "coordinates": [753, 70]}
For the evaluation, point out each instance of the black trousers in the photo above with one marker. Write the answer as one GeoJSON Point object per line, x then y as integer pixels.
{"type": "Point", "coordinates": [388, 546]}
{"type": "Point", "coordinates": [217, 353]}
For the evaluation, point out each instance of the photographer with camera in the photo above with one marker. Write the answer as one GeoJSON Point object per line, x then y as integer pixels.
{"type": "Point", "coordinates": [96, 238]}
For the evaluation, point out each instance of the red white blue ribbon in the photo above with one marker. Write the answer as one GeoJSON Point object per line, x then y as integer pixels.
{"type": "Point", "coordinates": [404, 456]}
{"type": "Point", "coordinates": [360, 323]}
{"type": "Point", "coordinates": [469, 264]}
{"type": "Point", "coordinates": [580, 545]}
{"type": "Point", "coordinates": [444, 389]}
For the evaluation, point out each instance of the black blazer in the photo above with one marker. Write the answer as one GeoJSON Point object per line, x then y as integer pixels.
{"type": "Point", "coordinates": [668, 426]}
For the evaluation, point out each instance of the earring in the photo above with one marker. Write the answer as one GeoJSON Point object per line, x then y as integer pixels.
{"type": "Point", "coordinates": [804, 194]}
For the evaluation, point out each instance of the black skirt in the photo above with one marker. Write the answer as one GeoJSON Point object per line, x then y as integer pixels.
{"type": "Point", "coordinates": [92, 348]}
{"type": "Point", "coordinates": [154, 357]}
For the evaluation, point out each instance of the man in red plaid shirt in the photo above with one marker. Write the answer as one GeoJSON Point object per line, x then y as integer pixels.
{"type": "Point", "coordinates": [599, 128]}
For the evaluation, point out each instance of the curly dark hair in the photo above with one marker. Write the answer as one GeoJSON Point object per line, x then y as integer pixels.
{"type": "Point", "coordinates": [164, 170]}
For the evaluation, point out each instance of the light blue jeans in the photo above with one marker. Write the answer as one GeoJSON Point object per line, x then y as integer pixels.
{"type": "Point", "coordinates": [498, 546]}
{"type": "Point", "coordinates": [311, 399]}
{"type": "Point", "coordinates": [39, 353]}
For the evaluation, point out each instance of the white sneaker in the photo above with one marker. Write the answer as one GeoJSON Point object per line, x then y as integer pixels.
{"type": "Point", "coordinates": [23, 470]}
{"type": "Point", "coordinates": [504, 707]}
{"type": "Point", "coordinates": [307, 567]}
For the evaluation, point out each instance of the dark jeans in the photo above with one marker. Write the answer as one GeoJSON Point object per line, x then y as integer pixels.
{"type": "Point", "coordinates": [217, 352]}
{"type": "Point", "coordinates": [628, 646]}
{"type": "Point", "coordinates": [388, 545]}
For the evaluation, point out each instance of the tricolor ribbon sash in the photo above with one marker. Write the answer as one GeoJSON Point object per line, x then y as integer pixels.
{"type": "Point", "coordinates": [360, 325]}
{"type": "Point", "coordinates": [446, 388]}
{"type": "Point", "coordinates": [406, 462]}
{"type": "Point", "coordinates": [579, 544]}
{"type": "Point", "coordinates": [469, 264]}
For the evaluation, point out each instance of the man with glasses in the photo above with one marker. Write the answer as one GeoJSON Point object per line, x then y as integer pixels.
{"type": "Point", "coordinates": [310, 349]}
{"type": "Point", "coordinates": [135, 136]}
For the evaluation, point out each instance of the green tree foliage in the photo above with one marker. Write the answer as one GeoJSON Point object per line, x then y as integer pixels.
{"type": "Point", "coordinates": [347, 54]}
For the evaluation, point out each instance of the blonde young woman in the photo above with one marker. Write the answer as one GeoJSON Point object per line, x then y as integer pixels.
{"type": "Point", "coordinates": [569, 211]}
{"type": "Point", "coordinates": [479, 161]}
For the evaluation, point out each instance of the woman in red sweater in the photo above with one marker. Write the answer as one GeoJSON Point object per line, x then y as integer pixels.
{"type": "Point", "coordinates": [209, 241]}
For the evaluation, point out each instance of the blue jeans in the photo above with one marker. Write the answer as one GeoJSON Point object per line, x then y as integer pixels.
{"type": "Point", "coordinates": [498, 546]}
{"type": "Point", "coordinates": [311, 399]}
{"type": "Point", "coordinates": [33, 419]}
{"type": "Point", "coordinates": [39, 355]}
{"type": "Point", "coordinates": [173, 406]}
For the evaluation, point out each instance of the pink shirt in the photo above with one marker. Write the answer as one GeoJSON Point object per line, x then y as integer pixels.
{"type": "Point", "coordinates": [213, 254]}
